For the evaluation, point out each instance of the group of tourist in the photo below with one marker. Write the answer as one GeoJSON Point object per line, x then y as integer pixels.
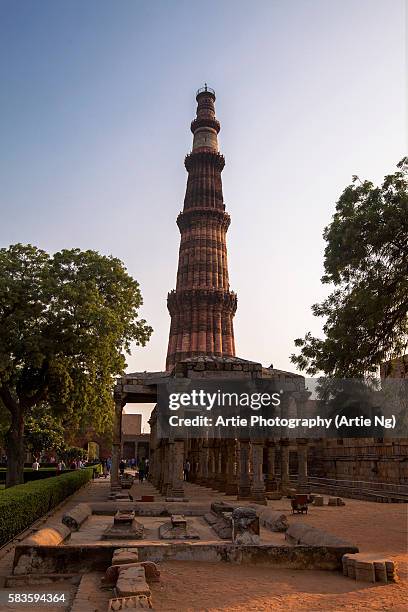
{"type": "Point", "coordinates": [76, 464]}
{"type": "Point", "coordinates": [106, 466]}
{"type": "Point", "coordinates": [141, 466]}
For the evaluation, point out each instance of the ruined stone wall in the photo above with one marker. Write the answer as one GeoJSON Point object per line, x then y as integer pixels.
{"type": "Point", "coordinates": [366, 459]}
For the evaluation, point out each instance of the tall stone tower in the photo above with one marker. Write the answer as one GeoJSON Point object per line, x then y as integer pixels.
{"type": "Point", "coordinates": [202, 306]}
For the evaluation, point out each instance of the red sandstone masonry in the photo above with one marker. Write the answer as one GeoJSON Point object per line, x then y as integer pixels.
{"type": "Point", "coordinates": [202, 307]}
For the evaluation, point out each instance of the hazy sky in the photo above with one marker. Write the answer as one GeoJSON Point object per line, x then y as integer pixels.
{"type": "Point", "coordinates": [95, 106]}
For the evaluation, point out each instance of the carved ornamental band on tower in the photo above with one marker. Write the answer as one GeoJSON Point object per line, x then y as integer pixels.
{"type": "Point", "coordinates": [202, 306]}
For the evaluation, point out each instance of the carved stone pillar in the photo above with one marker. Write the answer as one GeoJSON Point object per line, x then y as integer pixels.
{"type": "Point", "coordinates": [231, 487]}
{"type": "Point", "coordinates": [211, 463]}
{"type": "Point", "coordinates": [167, 461]}
{"type": "Point", "coordinates": [285, 480]}
{"type": "Point", "coordinates": [204, 462]}
{"type": "Point", "coordinates": [116, 445]}
{"type": "Point", "coordinates": [257, 484]}
{"type": "Point", "coordinates": [216, 478]}
{"type": "Point", "coordinates": [244, 481]}
{"type": "Point", "coordinates": [177, 489]}
{"type": "Point", "coordinates": [303, 482]}
{"type": "Point", "coordinates": [271, 484]}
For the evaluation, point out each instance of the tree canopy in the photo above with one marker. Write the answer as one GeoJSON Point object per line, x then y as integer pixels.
{"type": "Point", "coordinates": [366, 260]}
{"type": "Point", "coordinates": [66, 321]}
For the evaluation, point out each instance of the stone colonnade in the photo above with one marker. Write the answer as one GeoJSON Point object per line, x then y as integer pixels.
{"type": "Point", "coordinates": [249, 469]}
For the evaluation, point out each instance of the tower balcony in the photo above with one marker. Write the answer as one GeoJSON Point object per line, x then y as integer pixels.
{"type": "Point", "coordinates": [201, 298]}
{"type": "Point", "coordinates": [205, 90]}
{"type": "Point", "coordinates": [192, 216]}
{"type": "Point", "coordinates": [204, 157]}
{"type": "Point", "coordinates": [205, 122]}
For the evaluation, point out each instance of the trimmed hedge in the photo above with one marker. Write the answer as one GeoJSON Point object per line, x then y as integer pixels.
{"type": "Point", "coordinates": [30, 474]}
{"type": "Point", "coordinates": [20, 506]}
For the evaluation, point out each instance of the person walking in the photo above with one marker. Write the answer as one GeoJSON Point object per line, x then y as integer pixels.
{"type": "Point", "coordinates": [36, 465]}
{"type": "Point", "coordinates": [186, 470]}
{"type": "Point", "coordinates": [122, 466]}
{"type": "Point", "coordinates": [109, 464]}
{"type": "Point", "coordinates": [105, 470]}
{"type": "Point", "coordinates": [142, 470]}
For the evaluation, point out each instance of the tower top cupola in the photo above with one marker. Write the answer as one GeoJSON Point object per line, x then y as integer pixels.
{"type": "Point", "coordinates": [205, 126]}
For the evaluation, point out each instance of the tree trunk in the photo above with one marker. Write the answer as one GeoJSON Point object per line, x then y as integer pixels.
{"type": "Point", "coordinates": [15, 448]}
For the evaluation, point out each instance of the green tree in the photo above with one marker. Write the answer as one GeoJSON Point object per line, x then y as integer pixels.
{"type": "Point", "coordinates": [43, 431]}
{"type": "Point", "coordinates": [366, 259]}
{"type": "Point", "coordinates": [65, 322]}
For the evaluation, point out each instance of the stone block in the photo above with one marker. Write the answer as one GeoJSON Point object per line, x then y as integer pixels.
{"type": "Point", "coordinates": [129, 603]}
{"type": "Point", "coordinates": [273, 495]}
{"type": "Point", "coordinates": [219, 507]}
{"type": "Point", "coordinates": [75, 517]}
{"type": "Point", "coordinates": [177, 531]}
{"type": "Point", "coordinates": [124, 530]}
{"type": "Point", "coordinates": [221, 523]}
{"type": "Point", "coordinates": [48, 536]}
{"type": "Point", "coordinates": [348, 565]}
{"type": "Point", "coordinates": [272, 520]}
{"type": "Point", "coordinates": [245, 526]}
{"type": "Point", "coordinates": [178, 520]}
{"type": "Point", "coordinates": [132, 581]}
{"type": "Point", "coordinates": [365, 571]}
{"type": "Point", "coordinates": [152, 573]}
{"type": "Point", "coordinates": [318, 500]}
{"type": "Point", "coordinates": [122, 556]}
{"type": "Point", "coordinates": [124, 517]}
{"type": "Point", "coordinates": [391, 568]}
{"type": "Point", "coordinates": [332, 501]}
{"type": "Point", "coordinates": [302, 534]}
{"type": "Point", "coordinates": [369, 567]}
{"type": "Point", "coordinates": [380, 571]}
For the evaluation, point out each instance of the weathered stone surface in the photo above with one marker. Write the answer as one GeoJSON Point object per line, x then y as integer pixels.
{"type": "Point", "coordinates": [180, 530]}
{"type": "Point", "coordinates": [125, 555]}
{"type": "Point", "coordinates": [221, 523]}
{"type": "Point", "coordinates": [124, 517]}
{"type": "Point", "coordinates": [49, 536]}
{"type": "Point", "coordinates": [369, 567]}
{"type": "Point", "coordinates": [124, 530]}
{"type": "Point", "coordinates": [365, 571]}
{"type": "Point", "coordinates": [318, 500]}
{"type": "Point", "coordinates": [152, 572]}
{"type": "Point", "coordinates": [245, 526]}
{"type": "Point", "coordinates": [75, 517]}
{"type": "Point", "coordinates": [132, 581]}
{"type": "Point", "coordinates": [129, 603]}
{"type": "Point", "coordinates": [275, 521]}
{"type": "Point", "coordinates": [300, 533]}
{"type": "Point", "coordinates": [178, 520]}
{"type": "Point", "coordinates": [273, 495]}
{"type": "Point", "coordinates": [218, 507]}
{"type": "Point", "coordinates": [332, 501]}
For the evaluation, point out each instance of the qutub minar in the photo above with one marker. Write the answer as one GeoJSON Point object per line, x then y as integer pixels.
{"type": "Point", "coordinates": [201, 346]}
{"type": "Point", "coordinates": [202, 307]}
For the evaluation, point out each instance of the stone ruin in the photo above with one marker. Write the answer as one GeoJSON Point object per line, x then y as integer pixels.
{"type": "Point", "coordinates": [177, 529]}
{"type": "Point", "coordinates": [125, 526]}
{"type": "Point", "coordinates": [130, 580]}
{"type": "Point", "coordinates": [245, 526]}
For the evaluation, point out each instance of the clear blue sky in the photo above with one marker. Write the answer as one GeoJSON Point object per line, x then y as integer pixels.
{"type": "Point", "coordinates": [96, 102]}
